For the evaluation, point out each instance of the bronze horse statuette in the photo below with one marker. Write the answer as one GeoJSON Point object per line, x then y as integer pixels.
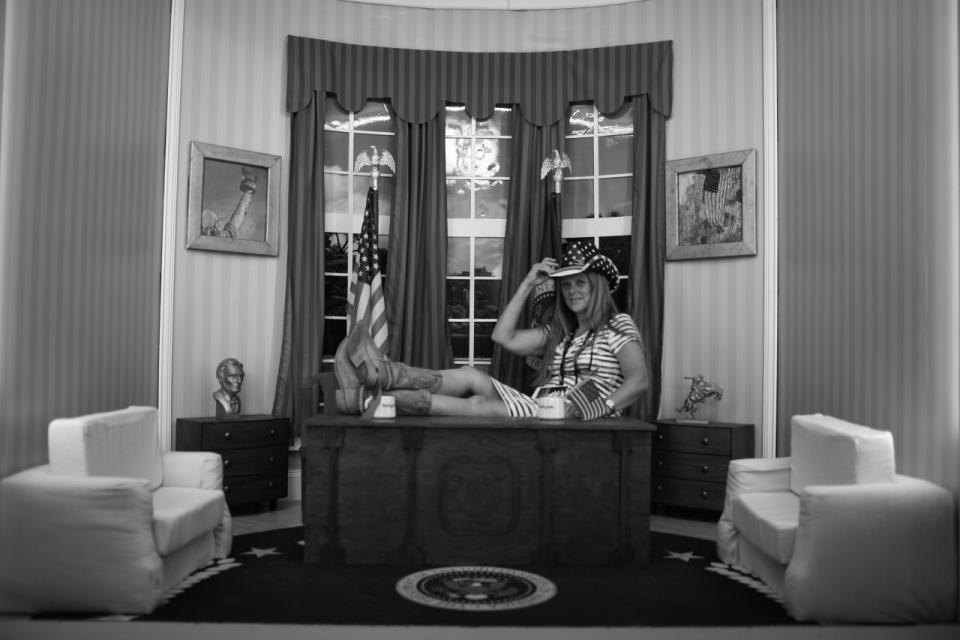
{"type": "Point", "coordinates": [700, 390]}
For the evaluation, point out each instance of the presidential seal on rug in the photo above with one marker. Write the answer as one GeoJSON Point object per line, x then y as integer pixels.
{"type": "Point", "coordinates": [476, 588]}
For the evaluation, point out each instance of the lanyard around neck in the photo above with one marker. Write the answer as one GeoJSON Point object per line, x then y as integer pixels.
{"type": "Point", "coordinates": [576, 367]}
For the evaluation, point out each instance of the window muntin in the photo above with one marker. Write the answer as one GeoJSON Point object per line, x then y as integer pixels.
{"type": "Point", "coordinates": [345, 136]}
{"type": "Point", "coordinates": [597, 195]}
{"type": "Point", "coordinates": [478, 165]}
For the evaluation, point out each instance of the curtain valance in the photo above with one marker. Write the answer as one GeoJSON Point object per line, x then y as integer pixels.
{"type": "Point", "coordinates": [420, 82]}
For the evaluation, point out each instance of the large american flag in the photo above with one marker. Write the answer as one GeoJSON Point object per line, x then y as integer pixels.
{"type": "Point", "coordinates": [365, 295]}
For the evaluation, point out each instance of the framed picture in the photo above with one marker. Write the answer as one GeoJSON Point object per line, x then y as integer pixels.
{"type": "Point", "coordinates": [234, 201]}
{"type": "Point", "coordinates": [712, 206]}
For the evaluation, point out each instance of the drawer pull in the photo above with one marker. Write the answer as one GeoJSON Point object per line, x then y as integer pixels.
{"type": "Point", "coordinates": [704, 494]}
{"type": "Point", "coordinates": [226, 463]}
{"type": "Point", "coordinates": [273, 458]}
{"type": "Point", "coordinates": [270, 484]}
{"type": "Point", "coordinates": [705, 441]}
{"type": "Point", "coordinates": [659, 464]}
{"type": "Point", "coordinates": [659, 488]}
{"type": "Point", "coordinates": [226, 489]}
{"type": "Point", "coordinates": [660, 437]}
{"type": "Point", "coordinates": [705, 469]}
{"type": "Point", "coordinates": [273, 432]}
{"type": "Point", "coordinates": [226, 435]}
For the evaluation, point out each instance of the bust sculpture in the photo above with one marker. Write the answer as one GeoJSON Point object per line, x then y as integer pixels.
{"type": "Point", "coordinates": [230, 375]}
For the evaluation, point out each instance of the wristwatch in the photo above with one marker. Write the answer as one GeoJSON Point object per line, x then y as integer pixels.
{"type": "Point", "coordinates": [610, 406]}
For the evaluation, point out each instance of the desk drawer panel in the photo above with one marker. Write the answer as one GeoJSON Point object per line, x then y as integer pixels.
{"type": "Point", "coordinates": [239, 462]}
{"type": "Point", "coordinates": [242, 489]}
{"type": "Point", "coordinates": [693, 439]}
{"type": "Point", "coordinates": [688, 493]}
{"type": "Point", "coordinates": [690, 466]}
{"type": "Point", "coordinates": [224, 435]}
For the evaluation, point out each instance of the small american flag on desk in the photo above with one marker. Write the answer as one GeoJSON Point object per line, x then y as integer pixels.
{"type": "Point", "coordinates": [365, 296]}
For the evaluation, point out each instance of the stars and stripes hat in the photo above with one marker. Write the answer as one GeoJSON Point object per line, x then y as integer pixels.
{"type": "Point", "coordinates": [579, 256]}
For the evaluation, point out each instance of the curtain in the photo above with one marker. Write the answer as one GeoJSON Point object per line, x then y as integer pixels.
{"type": "Point", "coordinates": [418, 84]}
{"type": "Point", "coordinates": [525, 240]}
{"type": "Point", "coordinates": [417, 256]}
{"type": "Point", "coordinates": [647, 241]}
{"type": "Point", "coordinates": [301, 350]}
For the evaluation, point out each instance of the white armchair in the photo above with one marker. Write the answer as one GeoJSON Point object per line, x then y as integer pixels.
{"type": "Point", "coordinates": [111, 522]}
{"type": "Point", "coordinates": [837, 533]}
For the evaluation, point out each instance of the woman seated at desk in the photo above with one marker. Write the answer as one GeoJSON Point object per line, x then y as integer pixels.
{"type": "Point", "coordinates": [590, 341]}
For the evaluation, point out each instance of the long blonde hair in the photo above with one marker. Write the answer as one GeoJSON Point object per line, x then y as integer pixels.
{"type": "Point", "coordinates": [600, 309]}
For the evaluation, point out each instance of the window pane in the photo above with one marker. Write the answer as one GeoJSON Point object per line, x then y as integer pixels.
{"type": "Point", "coordinates": [499, 124]}
{"type": "Point", "coordinates": [336, 148]}
{"type": "Point", "coordinates": [363, 143]}
{"type": "Point", "coordinates": [335, 254]}
{"type": "Point", "coordinates": [616, 197]}
{"type": "Point", "coordinates": [577, 199]}
{"type": "Point", "coordinates": [617, 248]}
{"type": "Point", "coordinates": [489, 258]}
{"type": "Point", "coordinates": [362, 184]}
{"type": "Point", "coordinates": [336, 117]}
{"type": "Point", "coordinates": [459, 157]}
{"type": "Point", "coordinates": [620, 121]}
{"type": "Point", "coordinates": [458, 298]}
{"type": "Point", "coordinates": [616, 154]}
{"type": "Point", "coordinates": [375, 116]}
{"type": "Point", "coordinates": [460, 339]}
{"type": "Point", "coordinates": [492, 158]}
{"type": "Point", "coordinates": [491, 201]}
{"type": "Point", "coordinates": [334, 331]}
{"type": "Point", "coordinates": [487, 303]}
{"type": "Point", "coordinates": [621, 295]}
{"type": "Point", "coordinates": [335, 193]}
{"type": "Point", "coordinates": [582, 120]}
{"type": "Point", "coordinates": [458, 256]}
{"type": "Point", "coordinates": [335, 290]}
{"type": "Point", "coordinates": [458, 198]}
{"type": "Point", "coordinates": [458, 121]}
{"type": "Point", "coordinates": [483, 342]}
{"type": "Point", "coordinates": [581, 156]}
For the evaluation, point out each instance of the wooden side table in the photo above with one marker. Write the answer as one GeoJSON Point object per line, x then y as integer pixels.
{"type": "Point", "coordinates": [254, 449]}
{"type": "Point", "coordinates": [690, 462]}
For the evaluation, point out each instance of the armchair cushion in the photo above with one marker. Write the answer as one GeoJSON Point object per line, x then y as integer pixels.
{"type": "Point", "coordinates": [769, 520]}
{"type": "Point", "coordinates": [825, 450]}
{"type": "Point", "coordinates": [181, 514]}
{"type": "Point", "coordinates": [113, 443]}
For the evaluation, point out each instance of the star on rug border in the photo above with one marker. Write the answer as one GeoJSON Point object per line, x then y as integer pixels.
{"type": "Point", "coordinates": [686, 556]}
{"type": "Point", "coordinates": [256, 551]}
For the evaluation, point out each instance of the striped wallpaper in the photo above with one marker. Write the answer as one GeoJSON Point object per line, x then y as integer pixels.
{"type": "Point", "coordinates": [868, 222]}
{"type": "Point", "coordinates": [81, 186]}
{"type": "Point", "coordinates": [232, 95]}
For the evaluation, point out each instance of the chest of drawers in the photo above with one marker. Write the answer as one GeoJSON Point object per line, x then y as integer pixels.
{"type": "Point", "coordinates": [690, 462]}
{"type": "Point", "coordinates": [254, 449]}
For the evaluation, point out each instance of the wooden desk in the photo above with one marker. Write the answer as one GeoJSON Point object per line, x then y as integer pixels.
{"type": "Point", "coordinates": [416, 490]}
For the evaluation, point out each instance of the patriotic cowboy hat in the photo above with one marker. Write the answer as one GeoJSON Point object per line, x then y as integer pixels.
{"type": "Point", "coordinates": [579, 256]}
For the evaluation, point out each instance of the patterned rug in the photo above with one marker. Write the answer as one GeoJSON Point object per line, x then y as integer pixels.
{"type": "Point", "coordinates": [266, 581]}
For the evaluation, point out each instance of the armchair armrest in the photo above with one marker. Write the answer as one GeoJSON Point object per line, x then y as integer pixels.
{"type": "Point", "coordinates": [58, 530]}
{"type": "Point", "coordinates": [747, 475]}
{"type": "Point", "coordinates": [876, 552]}
{"type": "Point", "coordinates": [193, 469]}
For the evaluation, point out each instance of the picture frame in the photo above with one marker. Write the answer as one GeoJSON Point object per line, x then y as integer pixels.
{"type": "Point", "coordinates": [712, 206]}
{"type": "Point", "coordinates": [234, 200]}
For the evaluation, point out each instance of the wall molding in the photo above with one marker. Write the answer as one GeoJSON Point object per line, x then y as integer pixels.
{"type": "Point", "coordinates": [768, 430]}
{"type": "Point", "coordinates": [169, 243]}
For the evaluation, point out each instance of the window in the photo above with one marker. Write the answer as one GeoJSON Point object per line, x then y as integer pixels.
{"type": "Point", "coordinates": [597, 195]}
{"type": "Point", "coordinates": [345, 137]}
{"type": "Point", "coordinates": [477, 174]}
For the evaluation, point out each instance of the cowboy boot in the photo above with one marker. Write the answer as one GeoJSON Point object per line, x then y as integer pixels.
{"type": "Point", "coordinates": [412, 402]}
{"type": "Point", "coordinates": [397, 375]}
{"type": "Point", "coordinates": [354, 375]}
